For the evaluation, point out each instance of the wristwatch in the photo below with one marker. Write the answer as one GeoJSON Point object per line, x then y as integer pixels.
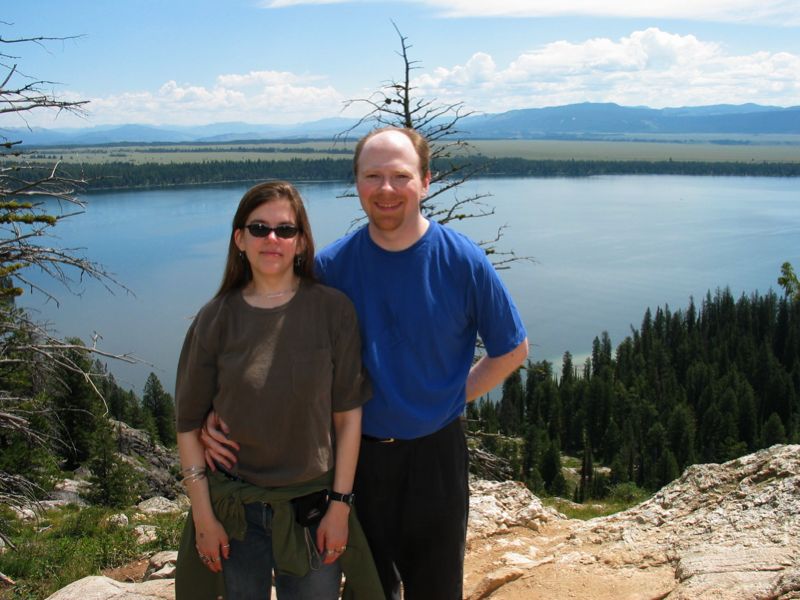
{"type": "Point", "coordinates": [346, 498]}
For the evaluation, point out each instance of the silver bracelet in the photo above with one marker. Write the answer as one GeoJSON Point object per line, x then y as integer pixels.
{"type": "Point", "coordinates": [193, 477]}
{"type": "Point", "coordinates": [193, 469]}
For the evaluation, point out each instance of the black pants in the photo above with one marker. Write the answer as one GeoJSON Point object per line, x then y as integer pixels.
{"type": "Point", "coordinates": [412, 498]}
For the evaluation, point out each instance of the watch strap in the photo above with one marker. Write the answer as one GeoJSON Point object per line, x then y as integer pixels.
{"type": "Point", "coordinates": [346, 498]}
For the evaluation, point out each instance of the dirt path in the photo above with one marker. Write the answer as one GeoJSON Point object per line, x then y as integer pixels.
{"type": "Point", "coordinates": [521, 564]}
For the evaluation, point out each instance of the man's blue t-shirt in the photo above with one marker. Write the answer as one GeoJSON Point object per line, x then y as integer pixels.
{"type": "Point", "coordinates": [419, 311]}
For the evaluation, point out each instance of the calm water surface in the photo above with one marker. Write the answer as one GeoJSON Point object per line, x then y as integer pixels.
{"type": "Point", "coordinates": [605, 249]}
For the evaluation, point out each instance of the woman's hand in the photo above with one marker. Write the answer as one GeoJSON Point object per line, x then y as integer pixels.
{"type": "Point", "coordinates": [212, 543]}
{"type": "Point", "coordinates": [211, 540]}
{"type": "Point", "coordinates": [332, 532]}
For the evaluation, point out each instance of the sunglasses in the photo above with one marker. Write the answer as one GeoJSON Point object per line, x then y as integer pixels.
{"type": "Point", "coordinates": [260, 230]}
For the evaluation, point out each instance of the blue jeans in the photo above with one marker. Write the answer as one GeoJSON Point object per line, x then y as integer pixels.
{"type": "Point", "coordinates": [248, 571]}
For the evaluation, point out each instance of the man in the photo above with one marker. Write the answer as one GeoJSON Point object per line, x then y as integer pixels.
{"type": "Point", "coordinates": [422, 293]}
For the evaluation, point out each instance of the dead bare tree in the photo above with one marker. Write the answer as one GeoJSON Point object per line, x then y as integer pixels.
{"type": "Point", "coordinates": [30, 93]}
{"type": "Point", "coordinates": [33, 200]}
{"type": "Point", "coordinates": [397, 104]}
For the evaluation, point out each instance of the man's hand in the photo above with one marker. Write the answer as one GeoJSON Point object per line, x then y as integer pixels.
{"type": "Point", "coordinates": [218, 449]}
{"type": "Point", "coordinates": [489, 372]}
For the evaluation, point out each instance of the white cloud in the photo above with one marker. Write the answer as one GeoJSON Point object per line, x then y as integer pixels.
{"type": "Point", "coordinates": [255, 97]}
{"type": "Point", "coordinates": [263, 78]}
{"type": "Point", "coordinates": [650, 67]}
{"type": "Point", "coordinates": [775, 12]}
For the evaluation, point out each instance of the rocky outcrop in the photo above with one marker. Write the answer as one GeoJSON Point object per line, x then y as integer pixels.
{"type": "Point", "coordinates": [158, 505]}
{"type": "Point", "coordinates": [104, 588]}
{"type": "Point", "coordinates": [71, 491]}
{"type": "Point", "coordinates": [729, 531]}
{"type": "Point", "coordinates": [162, 566]}
{"type": "Point", "coordinates": [497, 506]}
{"type": "Point", "coordinates": [157, 465]}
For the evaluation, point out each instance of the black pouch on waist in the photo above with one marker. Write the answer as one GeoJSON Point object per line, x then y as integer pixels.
{"type": "Point", "coordinates": [309, 509]}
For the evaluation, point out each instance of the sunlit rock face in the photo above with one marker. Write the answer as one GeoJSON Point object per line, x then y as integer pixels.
{"type": "Point", "coordinates": [720, 532]}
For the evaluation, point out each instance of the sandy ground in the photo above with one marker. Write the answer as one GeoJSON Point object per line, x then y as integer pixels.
{"type": "Point", "coordinates": [522, 564]}
{"type": "Point", "coordinates": [130, 573]}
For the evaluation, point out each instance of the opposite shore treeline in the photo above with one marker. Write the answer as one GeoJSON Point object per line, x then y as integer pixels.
{"type": "Point", "coordinates": [125, 175]}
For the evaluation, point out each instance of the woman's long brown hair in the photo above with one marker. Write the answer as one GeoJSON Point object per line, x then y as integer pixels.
{"type": "Point", "coordinates": [237, 269]}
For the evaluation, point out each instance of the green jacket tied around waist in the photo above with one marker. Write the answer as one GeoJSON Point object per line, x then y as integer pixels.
{"type": "Point", "coordinates": [193, 581]}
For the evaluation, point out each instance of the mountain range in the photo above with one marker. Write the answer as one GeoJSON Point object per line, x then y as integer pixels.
{"type": "Point", "coordinates": [574, 121]}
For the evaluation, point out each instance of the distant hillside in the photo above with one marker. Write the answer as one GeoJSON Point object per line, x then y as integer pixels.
{"type": "Point", "coordinates": [144, 134]}
{"type": "Point", "coordinates": [574, 121]}
{"type": "Point", "coordinates": [591, 120]}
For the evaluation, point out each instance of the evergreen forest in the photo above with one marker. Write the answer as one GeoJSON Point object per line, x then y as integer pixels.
{"type": "Point", "coordinates": [127, 175]}
{"type": "Point", "coordinates": [706, 383]}
{"type": "Point", "coordinates": [65, 424]}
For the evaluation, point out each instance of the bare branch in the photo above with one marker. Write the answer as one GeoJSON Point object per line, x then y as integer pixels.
{"type": "Point", "coordinates": [29, 95]}
{"type": "Point", "coordinates": [11, 72]}
{"type": "Point", "coordinates": [33, 200]}
{"type": "Point", "coordinates": [40, 39]}
{"type": "Point", "coordinates": [14, 421]}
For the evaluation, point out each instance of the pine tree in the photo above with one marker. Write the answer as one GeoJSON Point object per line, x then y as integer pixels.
{"type": "Point", "coordinates": [554, 481]}
{"type": "Point", "coordinates": [612, 441]}
{"type": "Point", "coordinates": [567, 369]}
{"type": "Point", "coordinates": [667, 469]}
{"type": "Point", "coordinates": [473, 416]}
{"type": "Point", "coordinates": [655, 447]}
{"type": "Point", "coordinates": [76, 404]}
{"type": "Point", "coordinates": [774, 432]}
{"type": "Point", "coordinates": [619, 468]}
{"type": "Point", "coordinates": [490, 423]}
{"type": "Point", "coordinates": [161, 408]}
{"type": "Point", "coordinates": [680, 435]}
{"type": "Point", "coordinates": [789, 282]}
{"type": "Point", "coordinates": [113, 482]}
{"type": "Point", "coordinates": [512, 405]}
{"type": "Point", "coordinates": [536, 442]}
{"type": "Point", "coordinates": [587, 472]}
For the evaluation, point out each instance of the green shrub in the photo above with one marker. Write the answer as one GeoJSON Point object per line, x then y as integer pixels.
{"type": "Point", "coordinates": [627, 493]}
{"type": "Point", "coordinates": [65, 546]}
{"type": "Point", "coordinates": [168, 534]}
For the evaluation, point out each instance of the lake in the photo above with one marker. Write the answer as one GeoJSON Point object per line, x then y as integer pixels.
{"type": "Point", "coordinates": [605, 249]}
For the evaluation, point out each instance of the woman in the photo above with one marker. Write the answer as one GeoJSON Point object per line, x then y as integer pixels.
{"type": "Point", "coordinates": [278, 357]}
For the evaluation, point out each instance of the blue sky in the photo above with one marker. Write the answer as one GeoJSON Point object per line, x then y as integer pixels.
{"type": "Point", "coordinates": [189, 62]}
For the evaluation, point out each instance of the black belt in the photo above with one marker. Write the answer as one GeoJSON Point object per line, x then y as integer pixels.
{"type": "Point", "coordinates": [390, 440]}
{"type": "Point", "coordinates": [378, 440]}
